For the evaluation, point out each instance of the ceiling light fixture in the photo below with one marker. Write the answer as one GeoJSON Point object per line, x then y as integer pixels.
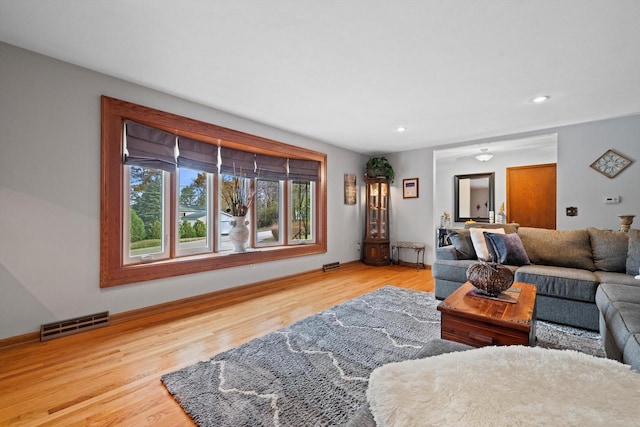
{"type": "Point", "coordinates": [484, 156]}
{"type": "Point", "coordinates": [401, 129]}
{"type": "Point", "coordinates": [540, 99]}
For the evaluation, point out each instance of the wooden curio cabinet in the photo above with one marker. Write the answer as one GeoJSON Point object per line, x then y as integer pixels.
{"type": "Point", "coordinates": [376, 237]}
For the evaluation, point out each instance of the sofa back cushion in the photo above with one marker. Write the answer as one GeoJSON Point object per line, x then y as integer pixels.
{"type": "Point", "coordinates": [633, 252]}
{"type": "Point", "coordinates": [558, 247]}
{"type": "Point", "coordinates": [609, 249]}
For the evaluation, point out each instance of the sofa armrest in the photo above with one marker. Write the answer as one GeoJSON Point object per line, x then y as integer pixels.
{"type": "Point", "coordinates": [446, 252]}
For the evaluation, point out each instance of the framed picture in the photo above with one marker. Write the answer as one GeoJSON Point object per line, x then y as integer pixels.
{"type": "Point", "coordinates": [611, 163]}
{"type": "Point", "coordinates": [349, 189]}
{"type": "Point", "coordinates": [410, 188]}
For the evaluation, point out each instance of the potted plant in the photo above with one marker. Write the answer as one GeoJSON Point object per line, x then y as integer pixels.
{"type": "Point", "coordinates": [379, 167]}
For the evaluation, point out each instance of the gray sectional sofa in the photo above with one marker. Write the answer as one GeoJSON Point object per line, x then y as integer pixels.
{"type": "Point", "coordinates": [585, 278]}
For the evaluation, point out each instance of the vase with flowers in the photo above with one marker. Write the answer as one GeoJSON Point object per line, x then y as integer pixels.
{"type": "Point", "coordinates": [238, 196]}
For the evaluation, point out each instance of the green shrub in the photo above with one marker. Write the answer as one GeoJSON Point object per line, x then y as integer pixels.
{"type": "Point", "coordinates": [155, 232]}
{"type": "Point", "coordinates": [200, 229]}
{"type": "Point", "coordinates": [136, 229]}
{"type": "Point", "coordinates": [186, 230]}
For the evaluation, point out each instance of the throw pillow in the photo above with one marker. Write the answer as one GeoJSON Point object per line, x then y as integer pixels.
{"type": "Point", "coordinates": [609, 249]}
{"type": "Point", "coordinates": [480, 243]}
{"type": "Point", "coordinates": [461, 240]}
{"type": "Point", "coordinates": [633, 254]}
{"type": "Point", "coordinates": [508, 248]}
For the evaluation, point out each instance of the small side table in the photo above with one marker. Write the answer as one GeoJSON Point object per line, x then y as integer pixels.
{"type": "Point", "coordinates": [418, 247]}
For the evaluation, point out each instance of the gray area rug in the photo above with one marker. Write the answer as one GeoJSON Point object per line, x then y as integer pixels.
{"type": "Point", "coordinates": [315, 371]}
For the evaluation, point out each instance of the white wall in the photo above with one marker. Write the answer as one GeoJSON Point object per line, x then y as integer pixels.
{"type": "Point", "coordinates": [577, 184]}
{"type": "Point", "coordinates": [447, 168]}
{"type": "Point", "coordinates": [581, 186]}
{"type": "Point", "coordinates": [408, 218]}
{"type": "Point", "coordinates": [50, 196]}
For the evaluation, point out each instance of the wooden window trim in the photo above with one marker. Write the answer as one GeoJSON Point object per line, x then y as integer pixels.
{"type": "Point", "coordinates": [112, 271]}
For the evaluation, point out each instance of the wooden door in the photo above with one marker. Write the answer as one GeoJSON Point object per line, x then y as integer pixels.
{"type": "Point", "coordinates": [531, 195]}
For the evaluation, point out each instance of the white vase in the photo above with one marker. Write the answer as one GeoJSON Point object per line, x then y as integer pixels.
{"type": "Point", "coordinates": [239, 234]}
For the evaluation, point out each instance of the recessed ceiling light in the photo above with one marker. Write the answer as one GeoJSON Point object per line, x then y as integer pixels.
{"type": "Point", "coordinates": [540, 99]}
{"type": "Point", "coordinates": [401, 129]}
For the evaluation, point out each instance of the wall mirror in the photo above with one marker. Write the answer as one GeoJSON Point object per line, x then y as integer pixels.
{"type": "Point", "coordinates": [473, 196]}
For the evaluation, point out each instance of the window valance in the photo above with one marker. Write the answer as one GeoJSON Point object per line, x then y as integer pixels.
{"type": "Point", "coordinates": [197, 155]}
{"type": "Point", "coordinates": [149, 147]}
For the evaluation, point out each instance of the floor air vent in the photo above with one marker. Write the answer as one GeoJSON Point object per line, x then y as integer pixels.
{"type": "Point", "coordinates": [330, 266]}
{"type": "Point", "coordinates": [73, 326]}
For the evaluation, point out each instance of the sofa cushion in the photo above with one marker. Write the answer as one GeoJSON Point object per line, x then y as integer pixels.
{"type": "Point", "coordinates": [461, 240]}
{"type": "Point", "coordinates": [623, 320]}
{"type": "Point", "coordinates": [616, 278]}
{"type": "Point", "coordinates": [454, 271]}
{"type": "Point", "coordinates": [609, 249]}
{"type": "Point", "coordinates": [483, 252]}
{"type": "Point", "coordinates": [508, 248]}
{"type": "Point", "coordinates": [631, 352]}
{"type": "Point", "coordinates": [609, 293]}
{"type": "Point", "coordinates": [446, 252]}
{"type": "Point", "coordinates": [560, 282]}
{"type": "Point", "coordinates": [558, 248]}
{"type": "Point", "coordinates": [633, 253]}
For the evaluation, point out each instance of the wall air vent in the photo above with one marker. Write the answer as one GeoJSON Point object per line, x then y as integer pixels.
{"type": "Point", "coordinates": [330, 266]}
{"type": "Point", "coordinates": [73, 326]}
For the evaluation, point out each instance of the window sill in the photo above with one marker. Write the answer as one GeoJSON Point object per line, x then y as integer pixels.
{"type": "Point", "coordinates": [126, 274]}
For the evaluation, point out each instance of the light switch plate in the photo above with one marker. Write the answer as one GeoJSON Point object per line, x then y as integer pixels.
{"type": "Point", "coordinates": [612, 200]}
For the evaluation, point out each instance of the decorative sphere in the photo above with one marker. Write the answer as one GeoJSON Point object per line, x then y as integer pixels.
{"type": "Point", "coordinates": [489, 277]}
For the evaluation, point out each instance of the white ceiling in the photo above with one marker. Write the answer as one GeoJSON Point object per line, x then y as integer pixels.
{"type": "Point", "coordinates": [349, 72]}
{"type": "Point", "coordinates": [547, 143]}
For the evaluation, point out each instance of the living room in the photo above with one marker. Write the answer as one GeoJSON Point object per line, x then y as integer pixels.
{"type": "Point", "coordinates": [50, 174]}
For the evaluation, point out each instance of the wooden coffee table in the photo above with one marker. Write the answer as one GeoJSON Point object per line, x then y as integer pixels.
{"type": "Point", "coordinates": [479, 321]}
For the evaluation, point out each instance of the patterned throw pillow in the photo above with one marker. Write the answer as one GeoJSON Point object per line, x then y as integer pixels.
{"type": "Point", "coordinates": [508, 249]}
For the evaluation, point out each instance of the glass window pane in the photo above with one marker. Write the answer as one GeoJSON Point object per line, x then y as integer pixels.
{"type": "Point", "coordinates": [146, 211]}
{"type": "Point", "coordinates": [267, 212]}
{"type": "Point", "coordinates": [194, 211]}
{"type": "Point", "coordinates": [236, 199]}
{"type": "Point", "coordinates": [301, 220]}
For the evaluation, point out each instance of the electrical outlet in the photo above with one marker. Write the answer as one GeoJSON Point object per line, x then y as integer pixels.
{"type": "Point", "coordinates": [572, 211]}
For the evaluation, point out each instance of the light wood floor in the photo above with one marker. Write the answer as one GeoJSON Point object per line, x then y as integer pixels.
{"type": "Point", "coordinates": [111, 376]}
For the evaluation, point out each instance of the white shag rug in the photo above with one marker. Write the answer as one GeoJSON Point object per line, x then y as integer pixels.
{"type": "Point", "coordinates": [511, 385]}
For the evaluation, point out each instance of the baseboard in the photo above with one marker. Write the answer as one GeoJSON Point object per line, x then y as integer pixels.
{"type": "Point", "coordinates": [224, 297]}
{"type": "Point", "coordinates": [20, 339]}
